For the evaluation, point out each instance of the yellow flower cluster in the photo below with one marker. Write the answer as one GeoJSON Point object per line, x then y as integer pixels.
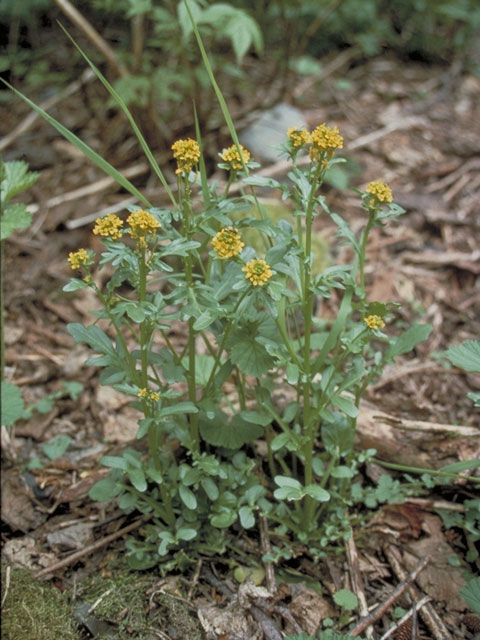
{"type": "Point", "coordinates": [187, 154]}
{"type": "Point", "coordinates": [232, 157]}
{"type": "Point", "coordinates": [108, 226]}
{"type": "Point", "coordinates": [141, 224]}
{"type": "Point", "coordinates": [374, 322]}
{"type": "Point", "coordinates": [380, 191]}
{"type": "Point", "coordinates": [257, 271]}
{"type": "Point", "coordinates": [146, 394]}
{"type": "Point", "coordinates": [324, 138]}
{"type": "Point", "coordinates": [298, 137]}
{"type": "Point", "coordinates": [78, 258]}
{"type": "Point", "coordinates": [227, 243]}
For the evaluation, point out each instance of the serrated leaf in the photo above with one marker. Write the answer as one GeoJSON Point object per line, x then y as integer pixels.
{"type": "Point", "coordinates": [250, 356]}
{"type": "Point", "coordinates": [465, 356]}
{"type": "Point", "coordinates": [16, 216]}
{"type": "Point", "coordinates": [12, 405]}
{"type": "Point", "coordinates": [16, 178]}
{"type": "Point", "coordinates": [92, 335]}
{"type": "Point", "coordinates": [471, 594]}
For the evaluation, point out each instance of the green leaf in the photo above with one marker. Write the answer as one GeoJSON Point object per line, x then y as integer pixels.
{"type": "Point", "coordinates": [106, 489]}
{"type": "Point", "coordinates": [345, 404]}
{"type": "Point", "coordinates": [405, 343]}
{"type": "Point", "coordinates": [346, 599]}
{"type": "Point", "coordinates": [210, 488]}
{"type": "Point", "coordinates": [92, 335]}
{"type": "Point", "coordinates": [185, 533]}
{"type": "Point", "coordinates": [471, 594]}
{"type": "Point", "coordinates": [15, 179]}
{"type": "Point", "coordinates": [56, 447]}
{"type": "Point", "coordinates": [188, 497]}
{"type": "Point", "coordinates": [223, 520]}
{"type": "Point", "coordinates": [317, 493]}
{"type": "Point", "coordinates": [74, 285]}
{"type": "Point", "coordinates": [247, 519]}
{"type": "Point", "coordinates": [222, 433]}
{"type": "Point", "coordinates": [204, 320]}
{"type": "Point", "coordinates": [15, 217]}
{"type": "Point", "coordinates": [12, 405]}
{"type": "Point", "coordinates": [345, 231]}
{"type": "Point", "coordinates": [255, 417]}
{"type": "Point", "coordinates": [342, 471]}
{"type": "Point", "coordinates": [137, 478]}
{"type": "Point", "coordinates": [250, 356]}
{"type": "Point", "coordinates": [174, 409]}
{"type": "Point", "coordinates": [465, 356]}
{"type": "Point", "coordinates": [279, 441]}
{"type": "Point", "coordinates": [286, 481]}
{"type": "Point", "coordinates": [288, 493]}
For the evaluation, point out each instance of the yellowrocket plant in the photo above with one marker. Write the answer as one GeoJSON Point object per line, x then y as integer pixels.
{"type": "Point", "coordinates": [255, 317]}
{"type": "Point", "coordinates": [221, 445]}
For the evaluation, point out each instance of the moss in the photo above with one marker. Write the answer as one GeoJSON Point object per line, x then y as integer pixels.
{"type": "Point", "coordinates": [125, 603]}
{"type": "Point", "coordinates": [35, 610]}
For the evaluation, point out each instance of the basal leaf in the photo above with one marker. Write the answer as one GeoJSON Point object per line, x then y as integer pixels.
{"type": "Point", "coordinates": [221, 432]}
{"type": "Point", "coordinates": [405, 343]}
{"type": "Point", "coordinates": [465, 356]}
{"type": "Point", "coordinates": [12, 404]}
{"type": "Point", "coordinates": [16, 216]}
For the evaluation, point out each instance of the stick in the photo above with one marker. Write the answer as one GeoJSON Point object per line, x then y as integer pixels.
{"type": "Point", "coordinates": [396, 593]}
{"type": "Point", "coordinates": [357, 582]}
{"type": "Point", "coordinates": [266, 548]}
{"type": "Point", "coordinates": [93, 547]}
{"type": "Point", "coordinates": [404, 618]}
{"type": "Point", "coordinates": [92, 34]}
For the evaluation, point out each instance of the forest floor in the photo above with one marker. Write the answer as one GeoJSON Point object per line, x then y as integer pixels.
{"type": "Point", "coordinates": [408, 124]}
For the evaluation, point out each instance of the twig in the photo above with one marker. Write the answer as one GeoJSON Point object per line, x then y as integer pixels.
{"type": "Point", "coordinates": [357, 582]}
{"type": "Point", "coordinates": [384, 606]}
{"type": "Point", "coordinates": [266, 548]}
{"type": "Point", "coordinates": [93, 547]}
{"type": "Point", "coordinates": [98, 601]}
{"type": "Point", "coordinates": [92, 34]}
{"type": "Point", "coordinates": [32, 117]}
{"type": "Point", "coordinates": [428, 613]}
{"type": "Point", "coordinates": [406, 617]}
{"type": "Point", "coordinates": [7, 585]}
{"type": "Point", "coordinates": [196, 575]}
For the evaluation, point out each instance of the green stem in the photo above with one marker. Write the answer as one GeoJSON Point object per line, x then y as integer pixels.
{"type": "Point", "coordinates": [363, 247]}
{"type": "Point", "coordinates": [145, 325]}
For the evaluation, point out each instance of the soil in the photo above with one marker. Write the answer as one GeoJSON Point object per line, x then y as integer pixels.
{"type": "Point", "coordinates": [409, 124]}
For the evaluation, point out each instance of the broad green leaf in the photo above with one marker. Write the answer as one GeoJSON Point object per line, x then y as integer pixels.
{"type": "Point", "coordinates": [15, 217]}
{"type": "Point", "coordinates": [106, 489]}
{"type": "Point", "coordinates": [74, 285]}
{"type": "Point", "coordinates": [317, 493]}
{"type": "Point", "coordinates": [185, 533]}
{"type": "Point", "coordinates": [174, 409]}
{"type": "Point", "coordinates": [204, 320]}
{"type": "Point", "coordinates": [222, 433]}
{"type": "Point", "coordinates": [279, 441]}
{"type": "Point", "coordinates": [188, 497]}
{"type": "Point", "coordinates": [465, 356]}
{"type": "Point", "coordinates": [346, 599]}
{"type": "Point", "coordinates": [286, 481]}
{"type": "Point", "coordinates": [345, 404]}
{"type": "Point", "coordinates": [114, 462]}
{"type": "Point", "coordinates": [247, 519]}
{"type": "Point", "coordinates": [12, 404]}
{"type": "Point", "coordinates": [471, 594]}
{"type": "Point", "coordinates": [137, 478]}
{"type": "Point", "coordinates": [92, 335]}
{"type": "Point", "coordinates": [405, 343]}
{"type": "Point", "coordinates": [15, 178]}
{"type": "Point", "coordinates": [56, 448]}
{"type": "Point", "coordinates": [342, 472]}
{"type": "Point", "coordinates": [210, 488]}
{"type": "Point", "coordinates": [223, 520]}
{"type": "Point", "coordinates": [255, 417]}
{"type": "Point", "coordinates": [288, 493]}
{"type": "Point", "coordinates": [250, 356]}
{"type": "Point", "coordinates": [338, 434]}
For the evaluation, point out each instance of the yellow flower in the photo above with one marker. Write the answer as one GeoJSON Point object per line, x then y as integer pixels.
{"type": "Point", "coordinates": [187, 154]}
{"type": "Point", "coordinates": [78, 258]}
{"type": "Point", "coordinates": [227, 243]}
{"type": "Point", "coordinates": [141, 224]}
{"type": "Point", "coordinates": [146, 394]}
{"type": "Point", "coordinates": [298, 137]}
{"type": "Point", "coordinates": [380, 192]}
{"type": "Point", "coordinates": [108, 226]}
{"type": "Point", "coordinates": [374, 322]}
{"type": "Point", "coordinates": [323, 139]}
{"type": "Point", "coordinates": [257, 271]}
{"type": "Point", "coordinates": [232, 157]}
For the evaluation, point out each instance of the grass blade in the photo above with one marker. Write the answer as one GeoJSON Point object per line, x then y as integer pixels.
{"type": "Point", "coordinates": [83, 147]}
{"type": "Point", "coordinates": [143, 143]}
